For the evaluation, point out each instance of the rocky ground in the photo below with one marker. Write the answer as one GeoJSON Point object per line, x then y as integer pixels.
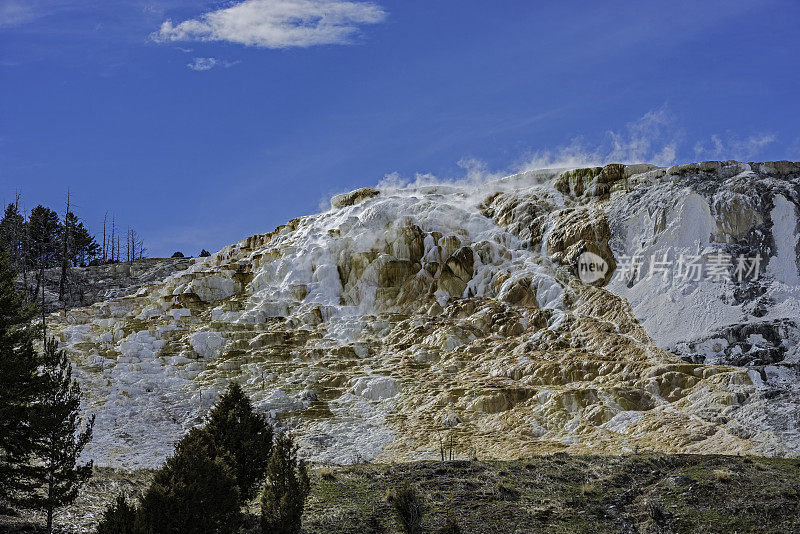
{"type": "Point", "coordinates": [639, 493]}
{"type": "Point", "coordinates": [88, 285]}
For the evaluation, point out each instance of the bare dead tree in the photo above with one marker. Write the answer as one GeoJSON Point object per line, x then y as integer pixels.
{"type": "Point", "coordinates": [113, 234]}
{"type": "Point", "coordinates": [105, 250]}
{"type": "Point", "coordinates": [26, 252]}
{"type": "Point", "coordinates": [141, 248]}
{"type": "Point", "coordinates": [135, 245]}
{"type": "Point", "coordinates": [64, 255]}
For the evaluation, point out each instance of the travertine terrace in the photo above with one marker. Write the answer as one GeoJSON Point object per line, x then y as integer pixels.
{"type": "Point", "coordinates": [406, 315]}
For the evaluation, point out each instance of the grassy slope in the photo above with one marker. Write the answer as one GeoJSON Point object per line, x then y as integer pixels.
{"type": "Point", "coordinates": [559, 493]}
{"type": "Point", "coordinates": [643, 493]}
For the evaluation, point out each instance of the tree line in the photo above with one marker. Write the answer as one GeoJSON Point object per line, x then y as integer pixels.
{"type": "Point", "coordinates": [43, 239]}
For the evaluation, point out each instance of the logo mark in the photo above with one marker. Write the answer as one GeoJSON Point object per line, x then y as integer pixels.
{"type": "Point", "coordinates": [591, 267]}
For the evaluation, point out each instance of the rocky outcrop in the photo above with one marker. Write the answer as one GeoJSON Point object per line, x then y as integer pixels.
{"type": "Point", "coordinates": [579, 230]}
{"type": "Point", "coordinates": [354, 197]}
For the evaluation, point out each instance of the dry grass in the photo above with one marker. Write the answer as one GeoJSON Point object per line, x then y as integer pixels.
{"type": "Point", "coordinates": [326, 473]}
{"type": "Point", "coordinates": [722, 475]}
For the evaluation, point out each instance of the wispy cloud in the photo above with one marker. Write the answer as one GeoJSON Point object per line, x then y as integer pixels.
{"type": "Point", "coordinates": [16, 13]}
{"type": "Point", "coordinates": [277, 23]}
{"type": "Point", "coordinates": [731, 147]}
{"type": "Point", "coordinates": [202, 63]}
{"type": "Point", "coordinates": [794, 150]}
{"type": "Point", "coordinates": [208, 63]}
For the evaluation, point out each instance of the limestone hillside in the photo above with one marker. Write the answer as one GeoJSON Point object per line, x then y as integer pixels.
{"type": "Point", "coordinates": [406, 315]}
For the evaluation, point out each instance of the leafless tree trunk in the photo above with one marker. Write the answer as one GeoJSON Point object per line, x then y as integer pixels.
{"type": "Point", "coordinates": [105, 250]}
{"type": "Point", "coordinates": [64, 256]}
{"type": "Point", "coordinates": [135, 245]}
{"type": "Point", "coordinates": [142, 248]}
{"type": "Point", "coordinates": [113, 235]}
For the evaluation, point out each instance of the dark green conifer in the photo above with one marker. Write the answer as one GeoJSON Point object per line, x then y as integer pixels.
{"type": "Point", "coordinates": [18, 368]}
{"type": "Point", "coordinates": [195, 492]}
{"type": "Point", "coordinates": [119, 518]}
{"type": "Point", "coordinates": [286, 489]}
{"type": "Point", "coordinates": [44, 234]}
{"type": "Point", "coordinates": [59, 438]}
{"type": "Point", "coordinates": [244, 434]}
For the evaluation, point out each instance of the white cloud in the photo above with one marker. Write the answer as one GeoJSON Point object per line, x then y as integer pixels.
{"type": "Point", "coordinates": [277, 23]}
{"type": "Point", "coordinates": [732, 147]}
{"type": "Point", "coordinates": [208, 63]}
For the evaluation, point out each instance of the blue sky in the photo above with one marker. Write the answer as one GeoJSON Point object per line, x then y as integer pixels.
{"type": "Point", "coordinates": [199, 123]}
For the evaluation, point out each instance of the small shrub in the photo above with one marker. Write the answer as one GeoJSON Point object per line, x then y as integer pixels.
{"type": "Point", "coordinates": [204, 253]}
{"type": "Point", "coordinates": [286, 489]}
{"type": "Point", "coordinates": [408, 508]}
{"type": "Point", "coordinates": [119, 518]}
{"type": "Point", "coordinates": [451, 527]}
{"type": "Point", "coordinates": [178, 254]}
{"type": "Point", "coordinates": [588, 489]}
{"type": "Point", "coordinates": [505, 492]}
{"type": "Point", "coordinates": [326, 473]}
{"type": "Point", "coordinates": [660, 517]}
{"type": "Point", "coordinates": [374, 525]}
{"type": "Point", "coordinates": [722, 475]}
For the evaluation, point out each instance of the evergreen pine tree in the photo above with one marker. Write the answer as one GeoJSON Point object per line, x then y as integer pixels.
{"type": "Point", "coordinates": [119, 518]}
{"type": "Point", "coordinates": [286, 489]}
{"type": "Point", "coordinates": [18, 368]}
{"type": "Point", "coordinates": [12, 231]}
{"type": "Point", "coordinates": [244, 434]}
{"type": "Point", "coordinates": [44, 230]}
{"type": "Point", "coordinates": [43, 239]}
{"type": "Point", "coordinates": [59, 438]}
{"type": "Point", "coordinates": [82, 247]}
{"type": "Point", "coordinates": [195, 492]}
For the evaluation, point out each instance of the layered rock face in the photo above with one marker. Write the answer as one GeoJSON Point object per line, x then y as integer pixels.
{"type": "Point", "coordinates": [404, 316]}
